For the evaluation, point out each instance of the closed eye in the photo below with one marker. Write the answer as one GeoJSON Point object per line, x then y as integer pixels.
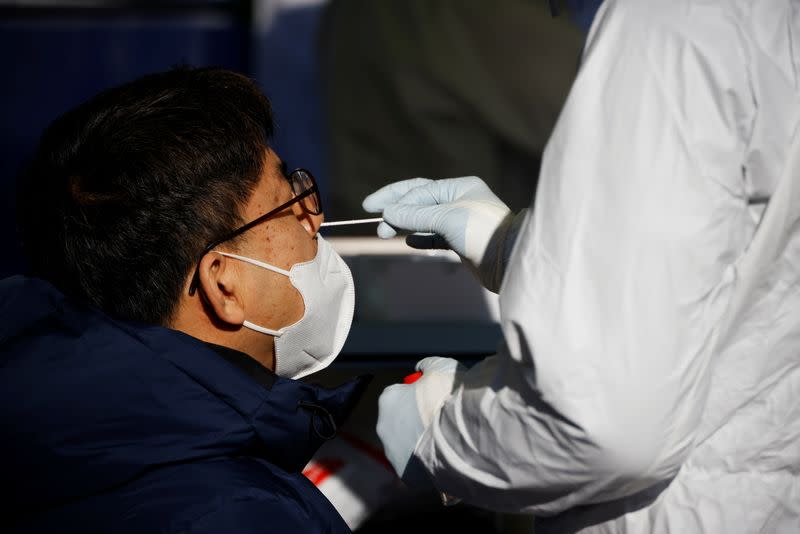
{"type": "Point", "coordinates": [284, 170]}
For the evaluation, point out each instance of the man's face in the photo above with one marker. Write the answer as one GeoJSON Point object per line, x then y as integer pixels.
{"type": "Point", "coordinates": [285, 239]}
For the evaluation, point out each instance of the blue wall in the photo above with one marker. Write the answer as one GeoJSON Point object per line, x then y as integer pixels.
{"type": "Point", "coordinates": [56, 60]}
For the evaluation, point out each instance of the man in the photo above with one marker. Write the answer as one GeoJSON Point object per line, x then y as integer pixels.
{"type": "Point", "coordinates": [179, 287]}
{"type": "Point", "coordinates": [648, 378]}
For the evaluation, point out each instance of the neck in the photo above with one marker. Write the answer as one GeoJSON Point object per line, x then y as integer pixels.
{"type": "Point", "coordinates": [260, 347]}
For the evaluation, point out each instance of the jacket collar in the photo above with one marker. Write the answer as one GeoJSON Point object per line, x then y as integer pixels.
{"type": "Point", "coordinates": [247, 364]}
{"type": "Point", "coordinates": [290, 419]}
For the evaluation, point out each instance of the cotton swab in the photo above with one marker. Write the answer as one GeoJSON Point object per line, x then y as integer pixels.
{"type": "Point", "coordinates": [353, 221]}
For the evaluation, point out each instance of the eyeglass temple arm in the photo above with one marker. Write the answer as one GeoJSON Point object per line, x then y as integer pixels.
{"type": "Point", "coordinates": [242, 229]}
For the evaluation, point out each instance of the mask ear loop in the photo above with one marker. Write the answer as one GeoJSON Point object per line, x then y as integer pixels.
{"type": "Point", "coordinates": [267, 266]}
{"type": "Point", "coordinates": [257, 263]}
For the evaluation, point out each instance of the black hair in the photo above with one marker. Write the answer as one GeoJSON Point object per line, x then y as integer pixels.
{"type": "Point", "coordinates": [126, 189]}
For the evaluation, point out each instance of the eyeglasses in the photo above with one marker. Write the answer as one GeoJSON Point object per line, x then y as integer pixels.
{"type": "Point", "coordinates": [305, 192]}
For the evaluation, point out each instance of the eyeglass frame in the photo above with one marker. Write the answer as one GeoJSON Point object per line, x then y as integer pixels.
{"type": "Point", "coordinates": [258, 220]}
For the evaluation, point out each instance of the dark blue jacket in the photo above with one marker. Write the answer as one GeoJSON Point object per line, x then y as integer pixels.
{"type": "Point", "coordinates": [109, 426]}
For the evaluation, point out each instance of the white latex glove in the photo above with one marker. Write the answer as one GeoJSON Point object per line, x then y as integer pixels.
{"type": "Point", "coordinates": [406, 410]}
{"type": "Point", "coordinates": [463, 213]}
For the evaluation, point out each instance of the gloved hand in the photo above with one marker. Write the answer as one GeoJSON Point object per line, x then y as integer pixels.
{"type": "Point", "coordinates": [406, 410]}
{"type": "Point", "coordinates": [463, 213]}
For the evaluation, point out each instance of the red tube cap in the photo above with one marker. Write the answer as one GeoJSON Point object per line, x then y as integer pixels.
{"type": "Point", "coordinates": [413, 377]}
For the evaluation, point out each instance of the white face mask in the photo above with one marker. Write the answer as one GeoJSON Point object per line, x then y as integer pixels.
{"type": "Point", "coordinates": [327, 289]}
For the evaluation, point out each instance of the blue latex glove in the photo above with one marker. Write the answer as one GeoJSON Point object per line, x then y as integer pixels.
{"type": "Point", "coordinates": [406, 410]}
{"type": "Point", "coordinates": [463, 213]}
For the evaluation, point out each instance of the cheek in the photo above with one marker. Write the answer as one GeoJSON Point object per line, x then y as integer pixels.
{"type": "Point", "coordinates": [275, 302]}
{"type": "Point", "coordinates": [289, 307]}
{"type": "Point", "coordinates": [291, 245]}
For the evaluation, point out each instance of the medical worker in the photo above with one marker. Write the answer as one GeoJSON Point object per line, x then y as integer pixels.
{"type": "Point", "coordinates": [649, 376]}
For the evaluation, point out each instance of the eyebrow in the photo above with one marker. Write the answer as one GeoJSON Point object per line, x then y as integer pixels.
{"type": "Point", "coordinates": [283, 169]}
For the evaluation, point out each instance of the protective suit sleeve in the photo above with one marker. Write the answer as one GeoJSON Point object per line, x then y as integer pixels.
{"type": "Point", "coordinates": [618, 278]}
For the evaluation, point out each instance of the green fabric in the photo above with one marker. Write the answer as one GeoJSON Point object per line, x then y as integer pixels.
{"type": "Point", "coordinates": [442, 88]}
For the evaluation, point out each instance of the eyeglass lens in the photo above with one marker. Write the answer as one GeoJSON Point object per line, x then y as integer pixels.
{"type": "Point", "coordinates": [302, 182]}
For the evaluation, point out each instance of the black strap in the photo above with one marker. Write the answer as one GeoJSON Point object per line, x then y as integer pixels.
{"type": "Point", "coordinates": [316, 409]}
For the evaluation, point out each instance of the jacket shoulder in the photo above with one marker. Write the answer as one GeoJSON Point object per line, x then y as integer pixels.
{"type": "Point", "coordinates": [242, 495]}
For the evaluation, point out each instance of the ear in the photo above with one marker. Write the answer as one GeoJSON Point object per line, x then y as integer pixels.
{"type": "Point", "coordinates": [221, 288]}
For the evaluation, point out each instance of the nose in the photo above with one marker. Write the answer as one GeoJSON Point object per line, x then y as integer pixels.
{"type": "Point", "coordinates": [309, 221]}
{"type": "Point", "coordinates": [316, 221]}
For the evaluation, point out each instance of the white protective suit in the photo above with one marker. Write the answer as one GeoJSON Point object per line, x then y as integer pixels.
{"type": "Point", "coordinates": [649, 381]}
